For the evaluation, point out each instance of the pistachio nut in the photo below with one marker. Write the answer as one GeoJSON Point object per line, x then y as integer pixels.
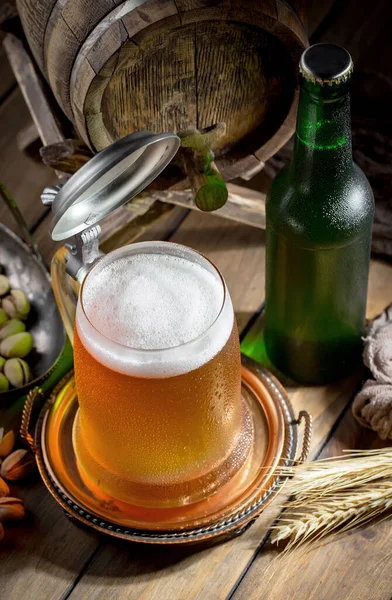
{"type": "Point", "coordinates": [4, 489]}
{"type": "Point", "coordinates": [4, 384]}
{"type": "Point", "coordinates": [17, 305]}
{"type": "Point", "coordinates": [17, 465]}
{"type": "Point", "coordinates": [11, 327]}
{"type": "Point", "coordinates": [4, 285]}
{"type": "Point", "coordinates": [11, 509]}
{"type": "Point", "coordinates": [7, 442]}
{"type": "Point", "coordinates": [17, 346]}
{"type": "Point", "coordinates": [2, 362]}
{"type": "Point", "coordinates": [3, 316]}
{"type": "Point", "coordinates": [17, 372]}
{"type": "Point", "coordinates": [9, 307]}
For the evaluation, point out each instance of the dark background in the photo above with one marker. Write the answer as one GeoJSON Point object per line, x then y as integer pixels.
{"type": "Point", "coordinates": [363, 27]}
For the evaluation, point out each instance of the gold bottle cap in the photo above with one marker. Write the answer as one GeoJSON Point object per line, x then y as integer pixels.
{"type": "Point", "coordinates": [326, 64]}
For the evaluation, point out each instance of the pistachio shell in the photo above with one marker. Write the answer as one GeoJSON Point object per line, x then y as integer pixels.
{"type": "Point", "coordinates": [17, 465]}
{"type": "Point", "coordinates": [17, 305]}
{"type": "Point", "coordinates": [4, 489]}
{"type": "Point", "coordinates": [7, 442]}
{"type": "Point", "coordinates": [4, 285]}
{"type": "Point", "coordinates": [11, 509]}
{"type": "Point", "coordinates": [3, 316]}
{"type": "Point", "coordinates": [17, 372]}
{"type": "Point", "coordinates": [11, 327]}
{"type": "Point", "coordinates": [4, 385]}
{"type": "Point", "coordinates": [17, 346]}
{"type": "Point", "coordinates": [2, 363]}
{"type": "Point", "coordinates": [9, 307]}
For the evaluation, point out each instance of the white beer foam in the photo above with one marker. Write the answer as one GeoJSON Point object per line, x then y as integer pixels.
{"type": "Point", "coordinates": [151, 310]}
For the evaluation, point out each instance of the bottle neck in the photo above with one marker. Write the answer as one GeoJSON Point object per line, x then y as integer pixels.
{"type": "Point", "coordinates": [323, 132]}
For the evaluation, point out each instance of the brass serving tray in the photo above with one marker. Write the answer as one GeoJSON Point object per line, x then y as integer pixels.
{"type": "Point", "coordinates": [229, 511]}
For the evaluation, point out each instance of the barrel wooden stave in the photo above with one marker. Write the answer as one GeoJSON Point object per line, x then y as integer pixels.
{"type": "Point", "coordinates": [34, 16]}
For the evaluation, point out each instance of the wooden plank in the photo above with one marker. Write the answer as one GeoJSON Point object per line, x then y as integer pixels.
{"type": "Point", "coordinates": [38, 558]}
{"type": "Point", "coordinates": [24, 177]}
{"type": "Point", "coordinates": [380, 288]}
{"type": "Point", "coordinates": [32, 90]}
{"type": "Point", "coordinates": [243, 204]}
{"type": "Point", "coordinates": [7, 79]}
{"type": "Point", "coordinates": [239, 164]}
{"type": "Point", "coordinates": [347, 566]}
{"type": "Point", "coordinates": [212, 573]}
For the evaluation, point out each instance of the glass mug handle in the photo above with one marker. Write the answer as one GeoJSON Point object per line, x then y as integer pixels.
{"type": "Point", "coordinates": [66, 290]}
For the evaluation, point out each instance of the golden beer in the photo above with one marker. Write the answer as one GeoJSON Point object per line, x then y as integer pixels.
{"type": "Point", "coordinates": [157, 366]}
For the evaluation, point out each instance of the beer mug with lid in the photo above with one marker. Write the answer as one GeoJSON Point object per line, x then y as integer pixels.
{"type": "Point", "coordinates": [161, 421]}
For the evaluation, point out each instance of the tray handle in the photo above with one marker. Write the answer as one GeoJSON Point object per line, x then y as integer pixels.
{"type": "Point", "coordinates": [308, 427]}
{"type": "Point", "coordinates": [24, 430]}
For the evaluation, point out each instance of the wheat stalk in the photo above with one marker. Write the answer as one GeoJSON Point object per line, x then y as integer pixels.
{"type": "Point", "coordinates": [335, 494]}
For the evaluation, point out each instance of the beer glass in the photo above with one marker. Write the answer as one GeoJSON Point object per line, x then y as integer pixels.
{"type": "Point", "coordinates": [157, 368]}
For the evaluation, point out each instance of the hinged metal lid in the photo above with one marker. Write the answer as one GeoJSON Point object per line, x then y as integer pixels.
{"type": "Point", "coordinates": [110, 179]}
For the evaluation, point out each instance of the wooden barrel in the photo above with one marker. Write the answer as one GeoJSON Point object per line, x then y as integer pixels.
{"type": "Point", "coordinates": [118, 66]}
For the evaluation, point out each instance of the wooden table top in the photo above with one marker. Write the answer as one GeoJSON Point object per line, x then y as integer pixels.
{"type": "Point", "coordinates": [47, 557]}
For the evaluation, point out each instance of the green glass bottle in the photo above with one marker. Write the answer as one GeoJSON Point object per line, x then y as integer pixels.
{"type": "Point", "coordinates": [319, 216]}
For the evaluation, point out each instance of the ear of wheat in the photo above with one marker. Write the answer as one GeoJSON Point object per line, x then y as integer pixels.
{"type": "Point", "coordinates": [335, 494]}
